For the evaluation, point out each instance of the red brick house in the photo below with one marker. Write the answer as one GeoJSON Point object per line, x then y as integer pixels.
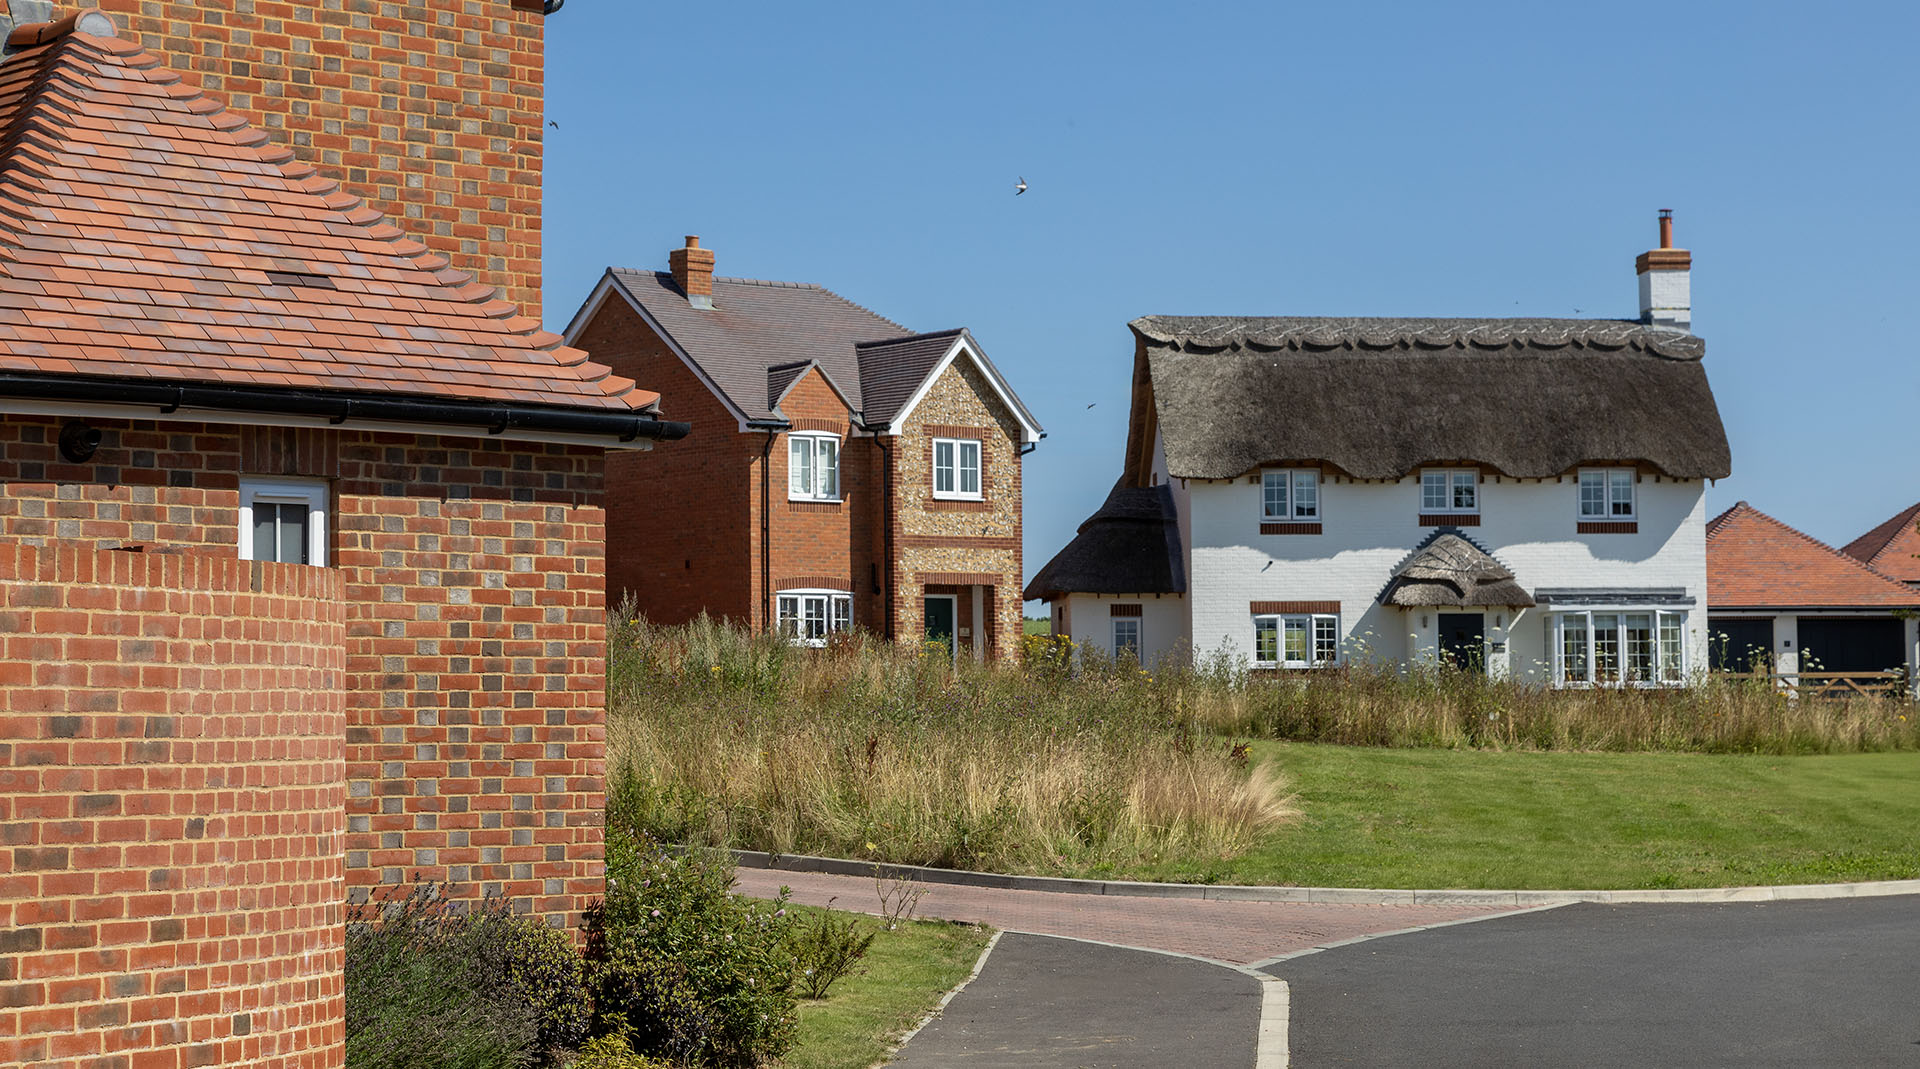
{"type": "Point", "coordinates": [843, 471]}
{"type": "Point", "coordinates": [301, 566]}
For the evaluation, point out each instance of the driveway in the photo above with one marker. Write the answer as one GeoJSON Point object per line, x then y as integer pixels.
{"type": "Point", "coordinates": [1821, 983]}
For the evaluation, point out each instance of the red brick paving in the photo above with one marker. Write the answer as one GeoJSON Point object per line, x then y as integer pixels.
{"type": "Point", "coordinates": [1239, 933]}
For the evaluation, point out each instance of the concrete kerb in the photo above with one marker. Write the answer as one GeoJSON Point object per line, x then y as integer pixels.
{"type": "Point", "coordinates": [756, 859]}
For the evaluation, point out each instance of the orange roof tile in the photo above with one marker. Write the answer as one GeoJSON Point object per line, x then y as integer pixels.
{"type": "Point", "coordinates": [1756, 562]}
{"type": "Point", "coordinates": [149, 234]}
{"type": "Point", "coordinates": [1893, 548]}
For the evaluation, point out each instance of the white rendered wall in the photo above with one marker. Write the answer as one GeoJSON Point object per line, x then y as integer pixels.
{"type": "Point", "coordinates": [1368, 528]}
{"type": "Point", "coordinates": [1163, 623]}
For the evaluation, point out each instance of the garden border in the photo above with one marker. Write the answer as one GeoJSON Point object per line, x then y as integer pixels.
{"type": "Point", "coordinates": [757, 859]}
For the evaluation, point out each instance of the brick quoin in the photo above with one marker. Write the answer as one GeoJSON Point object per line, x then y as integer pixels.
{"type": "Point", "coordinates": [430, 110]}
{"type": "Point", "coordinates": [172, 784]}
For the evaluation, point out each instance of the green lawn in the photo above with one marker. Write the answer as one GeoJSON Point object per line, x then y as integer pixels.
{"type": "Point", "coordinates": [898, 982]}
{"type": "Point", "coordinates": [1475, 818]}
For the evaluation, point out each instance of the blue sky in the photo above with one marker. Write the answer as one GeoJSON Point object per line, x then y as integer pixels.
{"type": "Point", "coordinates": [1326, 159]}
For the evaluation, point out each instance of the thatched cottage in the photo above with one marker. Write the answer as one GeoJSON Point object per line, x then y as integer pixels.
{"type": "Point", "coordinates": [1525, 495]}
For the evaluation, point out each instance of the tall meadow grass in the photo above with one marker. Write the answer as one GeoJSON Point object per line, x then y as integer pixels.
{"type": "Point", "coordinates": [1063, 763]}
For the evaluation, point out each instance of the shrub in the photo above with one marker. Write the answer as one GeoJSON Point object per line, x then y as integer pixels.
{"type": "Point", "coordinates": [685, 969]}
{"type": "Point", "coordinates": [826, 950]}
{"type": "Point", "coordinates": [463, 985]}
{"type": "Point", "coordinates": [613, 1051]}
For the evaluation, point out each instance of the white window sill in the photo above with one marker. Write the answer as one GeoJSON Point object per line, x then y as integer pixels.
{"type": "Point", "coordinates": [816, 500]}
{"type": "Point", "coordinates": [938, 496]}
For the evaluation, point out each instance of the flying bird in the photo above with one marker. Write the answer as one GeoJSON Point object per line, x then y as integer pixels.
{"type": "Point", "coordinates": [553, 124]}
{"type": "Point", "coordinates": [1096, 402]}
{"type": "Point", "coordinates": [1022, 187]}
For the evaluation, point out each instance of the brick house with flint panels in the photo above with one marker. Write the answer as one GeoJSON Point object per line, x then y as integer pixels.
{"type": "Point", "coordinates": [843, 471]}
{"type": "Point", "coordinates": [301, 558]}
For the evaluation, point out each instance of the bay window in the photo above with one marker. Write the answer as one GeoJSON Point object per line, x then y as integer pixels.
{"type": "Point", "coordinates": [1645, 648]}
{"type": "Point", "coordinates": [809, 616]}
{"type": "Point", "coordinates": [1291, 640]}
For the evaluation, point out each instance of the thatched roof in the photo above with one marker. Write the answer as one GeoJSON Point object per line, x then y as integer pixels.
{"type": "Point", "coordinates": [1130, 546]}
{"type": "Point", "coordinates": [1377, 398]}
{"type": "Point", "coordinates": [1449, 571]}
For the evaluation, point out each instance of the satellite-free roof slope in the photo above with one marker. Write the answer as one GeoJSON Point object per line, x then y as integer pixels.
{"type": "Point", "coordinates": [1130, 546]}
{"type": "Point", "coordinates": [1377, 398]}
{"type": "Point", "coordinates": [1893, 548]}
{"type": "Point", "coordinates": [148, 234]}
{"type": "Point", "coordinates": [1756, 562]}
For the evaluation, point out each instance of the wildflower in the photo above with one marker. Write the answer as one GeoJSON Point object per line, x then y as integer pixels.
{"type": "Point", "coordinates": [656, 913]}
{"type": "Point", "coordinates": [870, 841]}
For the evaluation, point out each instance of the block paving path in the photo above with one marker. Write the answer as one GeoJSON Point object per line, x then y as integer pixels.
{"type": "Point", "coordinates": [1237, 933]}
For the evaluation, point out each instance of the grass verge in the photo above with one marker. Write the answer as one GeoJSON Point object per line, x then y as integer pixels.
{"type": "Point", "coordinates": [1485, 819]}
{"type": "Point", "coordinates": [898, 983]}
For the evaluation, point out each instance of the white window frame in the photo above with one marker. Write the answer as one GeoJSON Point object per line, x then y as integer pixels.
{"type": "Point", "coordinates": [1608, 628]}
{"type": "Point", "coordinates": [819, 483]}
{"type": "Point", "coordinates": [1611, 480]}
{"type": "Point", "coordinates": [1289, 482]}
{"type": "Point", "coordinates": [1126, 623]}
{"type": "Point", "coordinates": [1321, 633]}
{"type": "Point", "coordinates": [312, 493]}
{"type": "Point", "coordinates": [1451, 481]}
{"type": "Point", "coordinates": [958, 469]}
{"type": "Point", "coordinates": [832, 608]}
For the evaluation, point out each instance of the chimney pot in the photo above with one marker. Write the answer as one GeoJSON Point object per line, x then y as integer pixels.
{"type": "Point", "coordinates": [693, 272]}
{"type": "Point", "coordinates": [1666, 289]}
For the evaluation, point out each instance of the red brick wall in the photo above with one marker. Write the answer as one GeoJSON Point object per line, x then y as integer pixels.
{"type": "Point", "coordinates": [431, 110]}
{"type": "Point", "coordinates": [171, 789]}
{"type": "Point", "coordinates": [473, 575]}
{"type": "Point", "coordinates": [824, 544]}
{"type": "Point", "coordinates": [681, 518]}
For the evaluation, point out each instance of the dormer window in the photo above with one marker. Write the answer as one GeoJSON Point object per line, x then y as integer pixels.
{"type": "Point", "coordinates": [813, 467]}
{"type": "Point", "coordinates": [1450, 490]}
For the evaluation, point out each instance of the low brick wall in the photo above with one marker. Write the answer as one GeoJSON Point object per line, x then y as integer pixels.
{"type": "Point", "coordinates": [172, 810]}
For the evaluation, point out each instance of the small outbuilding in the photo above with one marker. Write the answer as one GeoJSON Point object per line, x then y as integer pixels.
{"type": "Point", "coordinates": [1782, 599]}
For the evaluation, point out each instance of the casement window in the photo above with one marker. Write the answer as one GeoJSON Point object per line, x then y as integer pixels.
{"type": "Point", "coordinates": [1296, 641]}
{"type": "Point", "coordinates": [1619, 648]}
{"type": "Point", "coordinates": [283, 520]}
{"type": "Point", "coordinates": [956, 469]}
{"type": "Point", "coordinates": [813, 467]}
{"type": "Point", "coordinates": [1450, 490]}
{"type": "Point", "coordinates": [1288, 494]}
{"type": "Point", "coordinates": [809, 616]}
{"type": "Point", "coordinates": [1126, 636]}
{"type": "Point", "coordinates": [1606, 494]}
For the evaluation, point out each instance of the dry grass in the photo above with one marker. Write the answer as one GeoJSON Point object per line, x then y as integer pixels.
{"type": "Point", "coordinates": [868, 751]}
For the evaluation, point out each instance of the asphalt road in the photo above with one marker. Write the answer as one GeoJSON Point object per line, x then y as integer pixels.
{"type": "Point", "coordinates": [1825, 983]}
{"type": "Point", "coordinates": [1045, 1003]}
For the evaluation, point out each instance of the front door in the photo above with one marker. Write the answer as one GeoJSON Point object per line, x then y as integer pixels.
{"type": "Point", "coordinates": [1463, 640]}
{"type": "Point", "coordinates": [940, 611]}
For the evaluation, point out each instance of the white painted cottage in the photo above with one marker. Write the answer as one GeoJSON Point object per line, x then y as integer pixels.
{"type": "Point", "coordinates": [1525, 495]}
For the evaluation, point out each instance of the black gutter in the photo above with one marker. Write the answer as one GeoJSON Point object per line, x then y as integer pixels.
{"type": "Point", "coordinates": [338, 406]}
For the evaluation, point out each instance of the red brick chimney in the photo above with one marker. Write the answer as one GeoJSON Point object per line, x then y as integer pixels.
{"type": "Point", "coordinates": [693, 272]}
{"type": "Point", "coordinates": [449, 148]}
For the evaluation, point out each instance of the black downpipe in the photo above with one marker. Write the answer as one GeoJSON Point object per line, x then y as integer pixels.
{"type": "Point", "coordinates": [766, 529]}
{"type": "Point", "coordinates": [337, 407]}
{"type": "Point", "coordinates": [886, 530]}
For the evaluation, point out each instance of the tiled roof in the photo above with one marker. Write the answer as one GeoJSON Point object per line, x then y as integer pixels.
{"type": "Point", "coordinates": [755, 326]}
{"type": "Point", "coordinates": [150, 235]}
{"type": "Point", "coordinates": [1756, 562]}
{"type": "Point", "coordinates": [891, 371]}
{"type": "Point", "coordinates": [1893, 548]}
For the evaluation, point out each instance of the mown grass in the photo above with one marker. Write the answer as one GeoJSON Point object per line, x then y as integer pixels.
{"type": "Point", "coordinates": [1084, 766]}
{"type": "Point", "coordinates": [1489, 819]}
{"type": "Point", "coordinates": [901, 979]}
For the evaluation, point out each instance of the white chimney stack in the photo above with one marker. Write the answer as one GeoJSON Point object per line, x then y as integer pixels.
{"type": "Point", "coordinates": [1666, 292]}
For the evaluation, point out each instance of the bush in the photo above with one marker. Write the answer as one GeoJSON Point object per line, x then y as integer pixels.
{"type": "Point", "coordinates": [683, 968]}
{"type": "Point", "coordinates": [826, 950]}
{"type": "Point", "coordinates": [462, 985]}
{"type": "Point", "coordinates": [613, 1051]}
